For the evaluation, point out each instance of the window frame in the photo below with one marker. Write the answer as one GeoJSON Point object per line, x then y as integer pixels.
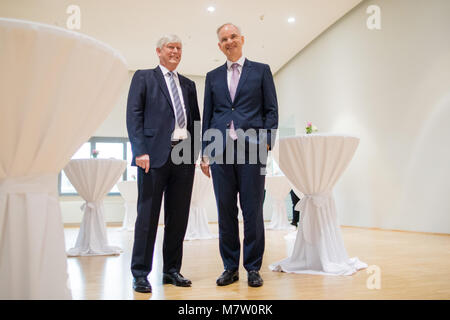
{"type": "Point", "coordinates": [93, 142]}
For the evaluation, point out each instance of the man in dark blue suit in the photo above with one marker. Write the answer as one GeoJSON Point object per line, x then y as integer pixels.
{"type": "Point", "coordinates": [241, 105]}
{"type": "Point", "coordinates": [161, 110]}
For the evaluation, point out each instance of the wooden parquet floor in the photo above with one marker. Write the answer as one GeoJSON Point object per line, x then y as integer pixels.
{"type": "Point", "coordinates": [412, 266]}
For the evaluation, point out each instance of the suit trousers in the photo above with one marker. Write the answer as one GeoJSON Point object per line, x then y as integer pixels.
{"type": "Point", "coordinates": [175, 182]}
{"type": "Point", "coordinates": [247, 180]}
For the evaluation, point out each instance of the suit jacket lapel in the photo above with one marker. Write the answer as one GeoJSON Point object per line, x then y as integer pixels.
{"type": "Point", "coordinates": [163, 85]}
{"type": "Point", "coordinates": [224, 79]}
{"type": "Point", "coordinates": [184, 90]}
{"type": "Point", "coordinates": [245, 71]}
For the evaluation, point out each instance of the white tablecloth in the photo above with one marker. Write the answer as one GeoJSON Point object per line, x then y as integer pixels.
{"type": "Point", "coordinates": [56, 88]}
{"type": "Point", "coordinates": [93, 179]}
{"type": "Point", "coordinates": [278, 188]}
{"type": "Point", "coordinates": [129, 192]}
{"type": "Point", "coordinates": [313, 164]}
{"type": "Point", "coordinates": [202, 193]}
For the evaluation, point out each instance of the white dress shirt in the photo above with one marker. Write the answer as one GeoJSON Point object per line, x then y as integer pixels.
{"type": "Point", "coordinates": [240, 63]}
{"type": "Point", "coordinates": [178, 133]}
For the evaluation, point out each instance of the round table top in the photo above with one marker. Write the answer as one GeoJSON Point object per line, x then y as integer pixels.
{"type": "Point", "coordinates": [94, 178]}
{"type": "Point", "coordinates": [314, 162]}
{"type": "Point", "coordinates": [51, 107]}
{"type": "Point", "coordinates": [128, 190]}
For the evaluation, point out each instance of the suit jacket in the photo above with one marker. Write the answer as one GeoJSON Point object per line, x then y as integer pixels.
{"type": "Point", "coordinates": [255, 104]}
{"type": "Point", "coordinates": [151, 119]}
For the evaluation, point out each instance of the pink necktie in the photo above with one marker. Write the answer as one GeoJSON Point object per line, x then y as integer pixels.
{"type": "Point", "coordinates": [233, 86]}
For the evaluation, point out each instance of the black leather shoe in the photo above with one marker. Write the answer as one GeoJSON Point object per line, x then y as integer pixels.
{"type": "Point", "coordinates": [228, 277]}
{"type": "Point", "coordinates": [142, 285]}
{"type": "Point", "coordinates": [294, 224]}
{"type": "Point", "coordinates": [254, 279]}
{"type": "Point", "coordinates": [176, 279]}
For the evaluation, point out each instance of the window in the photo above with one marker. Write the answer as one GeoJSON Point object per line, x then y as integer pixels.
{"type": "Point", "coordinates": [108, 147]}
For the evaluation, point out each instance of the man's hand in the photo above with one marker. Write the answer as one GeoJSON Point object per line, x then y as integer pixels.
{"type": "Point", "coordinates": [143, 161]}
{"type": "Point", "coordinates": [204, 165]}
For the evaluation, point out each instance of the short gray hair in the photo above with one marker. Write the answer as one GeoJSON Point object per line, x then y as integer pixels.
{"type": "Point", "coordinates": [227, 24]}
{"type": "Point", "coordinates": [167, 38]}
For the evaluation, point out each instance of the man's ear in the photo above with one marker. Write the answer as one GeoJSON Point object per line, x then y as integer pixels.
{"type": "Point", "coordinates": [242, 37]}
{"type": "Point", "coordinates": [158, 51]}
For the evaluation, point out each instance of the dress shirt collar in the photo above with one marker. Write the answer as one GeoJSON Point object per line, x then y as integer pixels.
{"type": "Point", "coordinates": [165, 71]}
{"type": "Point", "coordinates": [240, 62]}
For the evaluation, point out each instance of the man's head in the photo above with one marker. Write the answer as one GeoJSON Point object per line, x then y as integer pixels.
{"type": "Point", "coordinates": [230, 41]}
{"type": "Point", "coordinates": [168, 49]}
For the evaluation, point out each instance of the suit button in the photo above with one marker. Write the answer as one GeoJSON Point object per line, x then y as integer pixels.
{"type": "Point", "coordinates": [228, 125]}
{"type": "Point", "coordinates": [232, 109]}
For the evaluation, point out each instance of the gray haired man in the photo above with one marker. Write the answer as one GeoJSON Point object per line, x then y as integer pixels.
{"type": "Point", "coordinates": [161, 110]}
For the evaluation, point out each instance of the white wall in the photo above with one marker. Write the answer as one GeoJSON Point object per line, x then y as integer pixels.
{"type": "Point", "coordinates": [391, 87]}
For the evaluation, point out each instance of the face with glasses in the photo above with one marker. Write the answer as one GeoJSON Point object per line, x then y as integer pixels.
{"type": "Point", "coordinates": [170, 55]}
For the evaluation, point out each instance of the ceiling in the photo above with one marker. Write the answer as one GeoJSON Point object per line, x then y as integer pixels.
{"type": "Point", "coordinates": [133, 26]}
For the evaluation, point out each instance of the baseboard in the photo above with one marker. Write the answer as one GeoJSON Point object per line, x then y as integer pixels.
{"type": "Point", "coordinates": [397, 230]}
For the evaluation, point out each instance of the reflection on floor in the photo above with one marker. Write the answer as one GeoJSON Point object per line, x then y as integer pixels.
{"type": "Point", "coordinates": [412, 266]}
